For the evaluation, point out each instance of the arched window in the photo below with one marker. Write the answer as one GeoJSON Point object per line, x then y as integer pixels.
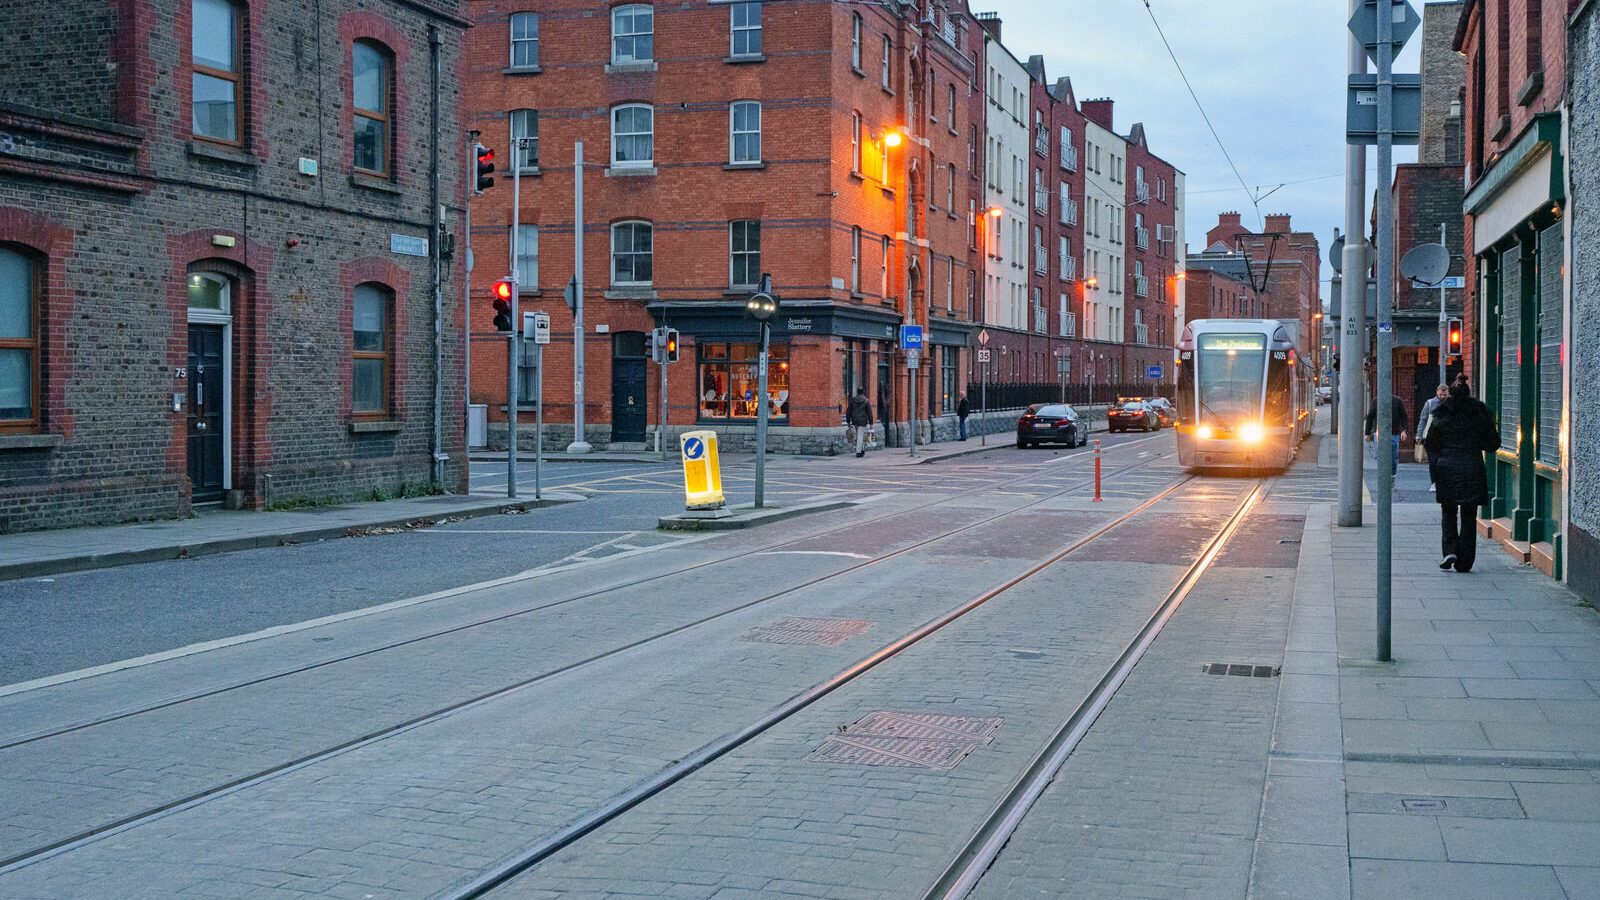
{"type": "Point", "coordinates": [633, 136]}
{"type": "Point", "coordinates": [372, 76]}
{"type": "Point", "coordinates": [744, 132]}
{"type": "Point", "coordinates": [632, 254]}
{"type": "Point", "coordinates": [19, 341]}
{"type": "Point", "coordinates": [633, 31]}
{"type": "Point", "coordinates": [370, 350]}
{"type": "Point", "coordinates": [215, 54]}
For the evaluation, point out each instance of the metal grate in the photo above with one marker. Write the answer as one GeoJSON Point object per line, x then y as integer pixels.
{"type": "Point", "coordinates": [819, 632]}
{"type": "Point", "coordinates": [907, 739]}
{"type": "Point", "coordinates": [1244, 669]}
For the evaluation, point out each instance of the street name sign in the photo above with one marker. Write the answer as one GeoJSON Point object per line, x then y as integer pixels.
{"type": "Point", "coordinates": [1361, 110]}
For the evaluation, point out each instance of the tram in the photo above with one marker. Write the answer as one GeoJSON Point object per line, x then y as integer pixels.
{"type": "Point", "coordinates": [1245, 400]}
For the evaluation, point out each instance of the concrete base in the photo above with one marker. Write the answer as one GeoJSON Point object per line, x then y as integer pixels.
{"type": "Point", "coordinates": [744, 515]}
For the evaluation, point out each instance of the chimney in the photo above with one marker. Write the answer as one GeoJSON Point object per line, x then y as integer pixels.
{"type": "Point", "coordinates": [1228, 226]}
{"type": "Point", "coordinates": [991, 23]}
{"type": "Point", "coordinates": [1278, 223]}
{"type": "Point", "coordinates": [1098, 112]}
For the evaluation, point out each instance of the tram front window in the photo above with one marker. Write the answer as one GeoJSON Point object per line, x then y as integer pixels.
{"type": "Point", "coordinates": [1229, 369]}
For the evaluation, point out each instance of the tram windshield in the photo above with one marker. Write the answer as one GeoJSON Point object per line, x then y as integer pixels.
{"type": "Point", "coordinates": [1229, 369]}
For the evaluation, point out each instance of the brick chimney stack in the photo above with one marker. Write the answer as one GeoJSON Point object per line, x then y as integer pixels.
{"type": "Point", "coordinates": [990, 22]}
{"type": "Point", "coordinates": [1228, 226]}
{"type": "Point", "coordinates": [1098, 112]}
{"type": "Point", "coordinates": [1278, 223]}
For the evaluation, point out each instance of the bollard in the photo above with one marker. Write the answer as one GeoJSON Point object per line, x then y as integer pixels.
{"type": "Point", "coordinates": [1097, 470]}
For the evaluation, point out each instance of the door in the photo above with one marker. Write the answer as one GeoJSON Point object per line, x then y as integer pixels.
{"type": "Point", "coordinates": [208, 434]}
{"type": "Point", "coordinates": [629, 400]}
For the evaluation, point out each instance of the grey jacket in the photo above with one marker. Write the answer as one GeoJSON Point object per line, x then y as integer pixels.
{"type": "Point", "coordinates": [1427, 413]}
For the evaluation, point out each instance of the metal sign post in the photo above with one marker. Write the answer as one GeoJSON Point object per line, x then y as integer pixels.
{"type": "Point", "coordinates": [983, 406]}
{"type": "Point", "coordinates": [762, 306]}
{"type": "Point", "coordinates": [579, 442]}
{"type": "Point", "coordinates": [913, 360]}
{"type": "Point", "coordinates": [538, 326]}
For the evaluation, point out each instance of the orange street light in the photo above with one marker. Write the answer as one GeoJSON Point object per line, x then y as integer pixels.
{"type": "Point", "coordinates": [1091, 282]}
{"type": "Point", "coordinates": [996, 211]}
{"type": "Point", "coordinates": [893, 138]}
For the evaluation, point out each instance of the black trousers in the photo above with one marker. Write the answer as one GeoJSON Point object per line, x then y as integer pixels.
{"type": "Point", "coordinates": [1458, 524]}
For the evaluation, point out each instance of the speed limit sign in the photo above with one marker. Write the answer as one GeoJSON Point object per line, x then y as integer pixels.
{"type": "Point", "coordinates": [983, 356]}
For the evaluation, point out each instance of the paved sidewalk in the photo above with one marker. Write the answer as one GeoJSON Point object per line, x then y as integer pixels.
{"type": "Point", "coordinates": [1467, 767]}
{"type": "Point", "coordinates": [38, 553]}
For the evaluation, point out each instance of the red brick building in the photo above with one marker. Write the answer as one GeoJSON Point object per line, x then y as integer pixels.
{"type": "Point", "coordinates": [834, 147]}
{"type": "Point", "coordinates": [1283, 264]}
{"type": "Point", "coordinates": [1217, 293]}
{"type": "Point", "coordinates": [1153, 260]}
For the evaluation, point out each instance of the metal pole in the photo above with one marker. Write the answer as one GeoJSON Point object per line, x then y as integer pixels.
{"type": "Point", "coordinates": [1334, 312]}
{"type": "Point", "coordinates": [579, 444]}
{"type": "Point", "coordinates": [538, 421]}
{"type": "Point", "coordinates": [434, 248]}
{"type": "Point", "coordinates": [1444, 325]}
{"type": "Point", "coordinates": [661, 430]}
{"type": "Point", "coordinates": [983, 425]}
{"type": "Point", "coordinates": [513, 346]}
{"type": "Point", "coordinates": [1353, 318]}
{"type": "Point", "coordinates": [911, 415]}
{"type": "Point", "coordinates": [1385, 354]}
{"type": "Point", "coordinates": [761, 418]}
{"type": "Point", "coordinates": [466, 281]}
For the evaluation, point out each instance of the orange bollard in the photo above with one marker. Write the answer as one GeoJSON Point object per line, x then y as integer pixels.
{"type": "Point", "coordinates": [1097, 471]}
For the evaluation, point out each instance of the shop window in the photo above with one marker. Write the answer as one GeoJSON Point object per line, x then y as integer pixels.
{"type": "Point", "coordinates": [729, 378]}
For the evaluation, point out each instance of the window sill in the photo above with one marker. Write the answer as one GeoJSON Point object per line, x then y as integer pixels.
{"type": "Point", "coordinates": [528, 172]}
{"type": "Point", "coordinates": [521, 70]}
{"type": "Point", "coordinates": [638, 293]}
{"type": "Point", "coordinates": [530, 292]}
{"type": "Point", "coordinates": [30, 441]}
{"type": "Point", "coordinates": [741, 291]}
{"type": "Point", "coordinates": [630, 172]}
{"type": "Point", "coordinates": [887, 191]}
{"type": "Point", "coordinates": [857, 176]}
{"type": "Point", "coordinates": [375, 426]}
{"type": "Point", "coordinates": [1502, 126]}
{"type": "Point", "coordinates": [858, 71]}
{"type": "Point", "coordinates": [744, 59]}
{"type": "Point", "coordinates": [375, 183]}
{"type": "Point", "coordinates": [214, 153]}
{"type": "Point", "coordinates": [632, 68]}
{"type": "Point", "coordinates": [887, 90]}
{"type": "Point", "coordinates": [735, 167]}
{"type": "Point", "coordinates": [1531, 88]}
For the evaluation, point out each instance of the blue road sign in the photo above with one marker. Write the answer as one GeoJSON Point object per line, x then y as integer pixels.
{"type": "Point", "coordinates": [694, 448]}
{"type": "Point", "coordinates": [910, 337]}
{"type": "Point", "coordinates": [1152, 371]}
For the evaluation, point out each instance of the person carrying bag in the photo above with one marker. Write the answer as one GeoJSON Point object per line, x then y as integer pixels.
{"type": "Point", "coordinates": [1460, 432]}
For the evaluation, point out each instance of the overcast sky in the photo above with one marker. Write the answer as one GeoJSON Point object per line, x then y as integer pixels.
{"type": "Point", "coordinates": [1271, 74]}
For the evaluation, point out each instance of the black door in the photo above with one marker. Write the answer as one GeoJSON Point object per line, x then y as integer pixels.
{"type": "Point", "coordinates": [629, 400]}
{"type": "Point", "coordinates": [207, 402]}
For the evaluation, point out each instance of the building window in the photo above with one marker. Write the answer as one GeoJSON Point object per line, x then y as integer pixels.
{"type": "Point", "coordinates": [855, 41]}
{"type": "Point", "coordinates": [633, 31]}
{"type": "Point", "coordinates": [949, 362]}
{"type": "Point", "coordinates": [745, 29]}
{"type": "Point", "coordinates": [215, 54]}
{"type": "Point", "coordinates": [855, 143]}
{"type": "Point", "coordinates": [527, 258]}
{"type": "Point", "coordinates": [744, 253]}
{"type": "Point", "coordinates": [525, 125]}
{"type": "Point", "coordinates": [633, 136]}
{"type": "Point", "coordinates": [855, 259]}
{"type": "Point", "coordinates": [744, 132]}
{"type": "Point", "coordinates": [369, 364]}
{"type": "Point", "coordinates": [950, 284]}
{"type": "Point", "coordinates": [950, 107]}
{"type": "Point", "coordinates": [19, 341]}
{"type": "Point", "coordinates": [632, 254]}
{"type": "Point", "coordinates": [887, 49]}
{"type": "Point", "coordinates": [972, 151]}
{"type": "Point", "coordinates": [524, 40]}
{"type": "Point", "coordinates": [729, 378]}
{"type": "Point", "coordinates": [370, 80]}
{"type": "Point", "coordinates": [950, 190]}
{"type": "Point", "coordinates": [883, 269]}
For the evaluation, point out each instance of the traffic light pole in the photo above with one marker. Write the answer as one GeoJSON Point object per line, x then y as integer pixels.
{"type": "Point", "coordinates": [513, 348]}
{"type": "Point", "coordinates": [761, 417]}
{"type": "Point", "coordinates": [579, 442]}
{"type": "Point", "coordinates": [1444, 323]}
{"type": "Point", "coordinates": [1385, 353]}
{"type": "Point", "coordinates": [661, 429]}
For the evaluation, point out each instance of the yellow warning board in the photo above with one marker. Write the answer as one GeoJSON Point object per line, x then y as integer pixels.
{"type": "Point", "coordinates": [702, 473]}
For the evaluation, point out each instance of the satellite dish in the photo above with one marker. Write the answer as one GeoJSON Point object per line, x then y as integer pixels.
{"type": "Point", "coordinates": [1336, 254]}
{"type": "Point", "coordinates": [1426, 264]}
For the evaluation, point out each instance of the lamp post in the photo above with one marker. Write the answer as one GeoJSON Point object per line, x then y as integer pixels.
{"type": "Point", "coordinates": [762, 306]}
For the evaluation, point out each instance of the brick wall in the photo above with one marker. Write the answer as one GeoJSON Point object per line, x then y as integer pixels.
{"type": "Point", "coordinates": [58, 56]}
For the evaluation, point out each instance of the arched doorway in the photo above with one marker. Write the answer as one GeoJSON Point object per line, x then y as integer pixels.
{"type": "Point", "coordinates": [210, 392]}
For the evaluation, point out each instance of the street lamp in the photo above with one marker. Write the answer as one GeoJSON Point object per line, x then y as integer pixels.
{"type": "Point", "coordinates": [893, 138]}
{"type": "Point", "coordinates": [762, 306]}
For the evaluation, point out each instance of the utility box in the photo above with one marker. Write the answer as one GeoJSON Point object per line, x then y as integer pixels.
{"type": "Point", "coordinates": [477, 426]}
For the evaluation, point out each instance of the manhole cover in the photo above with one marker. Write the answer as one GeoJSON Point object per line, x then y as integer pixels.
{"type": "Point", "coordinates": [907, 739]}
{"type": "Point", "coordinates": [825, 632]}
{"type": "Point", "coordinates": [1245, 669]}
{"type": "Point", "coordinates": [1422, 804]}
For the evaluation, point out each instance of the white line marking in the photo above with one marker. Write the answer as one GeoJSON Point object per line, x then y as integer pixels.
{"type": "Point", "coordinates": [813, 553]}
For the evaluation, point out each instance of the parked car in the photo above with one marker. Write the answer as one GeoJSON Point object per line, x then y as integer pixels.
{"type": "Point", "coordinates": [1166, 413]}
{"type": "Point", "coordinates": [1051, 423]}
{"type": "Point", "coordinates": [1132, 414]}
{"type": "Point", "coordinates": [1325, 394]}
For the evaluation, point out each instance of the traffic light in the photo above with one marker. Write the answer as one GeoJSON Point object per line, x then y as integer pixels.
{"type": "Point", "coordinates": [482, 165]}
{"type": "Point", "coordinates": [502, 304]}
{"type": "Point", "coordinates": [1453, 337]}
{"type": "Point", "coordinates": [672, 345]}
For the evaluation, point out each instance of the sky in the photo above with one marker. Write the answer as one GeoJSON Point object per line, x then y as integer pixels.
{"type": "Point", "coordinates": [1270, 73]}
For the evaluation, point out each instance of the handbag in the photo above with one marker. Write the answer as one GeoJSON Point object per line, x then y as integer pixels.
{"type": "Point", "coordinates": [872, 437]}
{"type": "Point", "coordinates": [1419, 452]}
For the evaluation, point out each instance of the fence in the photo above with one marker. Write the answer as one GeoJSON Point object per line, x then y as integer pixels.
{"type": "Point", "coordinates": [1015, 395]}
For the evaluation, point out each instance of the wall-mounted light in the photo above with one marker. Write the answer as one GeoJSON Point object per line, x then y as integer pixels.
{"type": "Point", "coordinates": [893, 137]}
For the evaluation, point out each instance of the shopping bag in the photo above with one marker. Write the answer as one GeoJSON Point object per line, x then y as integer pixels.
{"type": "Point", "coordinates": [1419, 452]}
{"type": "Point", "coordinates": [872, 437]}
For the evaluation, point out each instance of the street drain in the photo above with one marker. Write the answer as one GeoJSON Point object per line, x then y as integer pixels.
{"type": "Point", "coordinates": [824, 632]}
{"type": "Point", "coordinates": [907, 739]}
{"type": "Point", "coordinates": [1248, 671]}
{"type": "Point", "coordinates": [1422, 804]}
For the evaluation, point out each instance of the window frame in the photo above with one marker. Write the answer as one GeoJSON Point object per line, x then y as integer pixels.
{"type": "Point", "coordinates": [855, 259]}
{"type": "Point", "coordinates": [385, 116]}
{"type": "Point", "coordinates": [884, 77]}
{"type": "Point", "coordinates": [512, 132]}
{"type": "Point", "coordinates": [650, 230]}
{"type": "Point", "coordinates": [31, 344]}
{"type": "Point", "coordinates": [616, 136]}
{"type": "Point", "coordinates": [530, 285]}
{"type": "Point", "coordinates": [855, 44]}
{"type": "Point", "coordinates": [734, 134]}
{"type": "Point", "coordinates": [235, 78]}
{"type": "Point", "coordinates": [855, 143]}
{"type": "Point", "coordinates": [883, 267]}
{"type": "Point", "coordinates": [735, 29]}
{"type": "Point", "coordinates": [950, 107]}
{"type": "Point", "coordinates": [511, 31]}
{"type": "Point", "coordinates": [734, 254]}
{"type": "Point", "coordinates": [384, 355]}
{"type": "Point", "coordinates": [635, 59]}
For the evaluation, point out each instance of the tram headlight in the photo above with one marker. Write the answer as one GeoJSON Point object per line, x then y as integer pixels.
{"type": "Point", "coordinates": [1203, 432]}
{"type": "Point", "coordinates": [1251, 434]}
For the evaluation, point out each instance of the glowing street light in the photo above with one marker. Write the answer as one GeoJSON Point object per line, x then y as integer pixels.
{"type": "Point", "coordinates": [893, 138]}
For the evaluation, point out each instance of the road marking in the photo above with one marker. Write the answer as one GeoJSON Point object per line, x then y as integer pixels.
{"type": "Point", "coordinates": [511, 531]}
{"type": "Point", "coordinates": [813, 553]}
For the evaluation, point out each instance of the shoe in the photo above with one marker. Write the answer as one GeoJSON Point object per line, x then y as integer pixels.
{"type": "Point", "coordinates": [1433, 489]}
{"type": "Point", "coordinates": [1449, 562]}
{"type": "Point", "coordinates": [860, 453]}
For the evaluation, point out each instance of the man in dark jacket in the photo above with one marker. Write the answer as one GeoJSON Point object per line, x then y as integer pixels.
{"type": "Point", "coordinates": [1397, 429]}
{"type": "Point", "coordinates": [859, 415]}
{"type": "Point", "coordinates": [1462, 431]}
{"type": "Point", "coordinates": [963, 409]}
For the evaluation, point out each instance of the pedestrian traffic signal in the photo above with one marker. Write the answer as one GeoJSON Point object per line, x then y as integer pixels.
{"type": "Point", "coordinates": [671, 345]}
{"type": "Point", "coordinates": [482, 165]}
{"type": "Point", "coordinates": [1453, 337]}
{"type": "Point", "coordinates": [502, 304]}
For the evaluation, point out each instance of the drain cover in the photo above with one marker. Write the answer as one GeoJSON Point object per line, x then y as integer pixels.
{"type": "Point", "coordinates": [907, 739]}
{"type": "Point", "coordinates": [825, 632]}
{"type": "Point", "coordinates": [1245, 669]}
{"type": "Point", "coordinates": [1422, 804]}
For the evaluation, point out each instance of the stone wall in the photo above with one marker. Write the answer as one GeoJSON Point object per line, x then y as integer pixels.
{"type": "Point", "coordinates": [1583, 533]}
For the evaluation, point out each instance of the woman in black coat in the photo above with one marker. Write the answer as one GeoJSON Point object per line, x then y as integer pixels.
{"type": "Point", "coordinates": [1462, 431]}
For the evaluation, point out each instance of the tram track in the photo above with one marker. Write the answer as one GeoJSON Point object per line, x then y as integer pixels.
{"type": "Point", "coordinates": [1000, 823]}
{"type": "Point", "coordinates": [83, 836]}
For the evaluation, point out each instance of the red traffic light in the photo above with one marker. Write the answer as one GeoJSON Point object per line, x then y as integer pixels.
{"type": "Point", "coordinates": [502, 289]}
{"type": "Point", "coordinates": [485, 155]}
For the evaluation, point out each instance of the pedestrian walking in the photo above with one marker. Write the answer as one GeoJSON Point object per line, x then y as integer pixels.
{"type": "Point", "coordinates": [1424, 419]}
{"type": "Point", "coordinates": [859, 416]}
{"type": "Point", "coordinates": [1397, 429]}
{"type": "Point", "coordinates": [1461, 432]}
{"type": "Point", "coordinates": [963, 409]}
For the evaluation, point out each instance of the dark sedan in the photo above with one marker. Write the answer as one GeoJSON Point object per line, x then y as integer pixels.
{"type": "Point", "coordinates": [1051, 423]}
{"type": "Point", "coordinates": [1166, 413]}
{"type": "Point", "coordinates": [1133, 414]}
